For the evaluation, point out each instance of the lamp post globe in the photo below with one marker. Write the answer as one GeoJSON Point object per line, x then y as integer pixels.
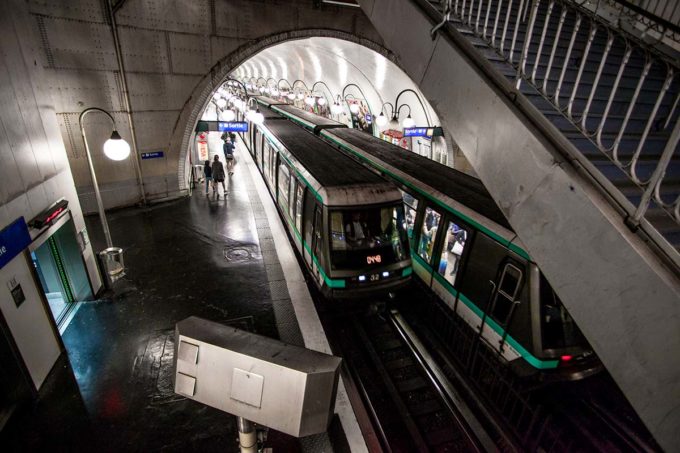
{"type": "Point", "coordinates": [381, 120]}
{"type": "Point", "coordinates": [408, 122]}
{"type": "Point", "coordinates": [116, 148]}
{"type": "Point", "coordinates": [354, 108]}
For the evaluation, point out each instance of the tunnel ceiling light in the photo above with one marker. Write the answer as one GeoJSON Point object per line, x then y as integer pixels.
{"type": "Point", "coordinates": [354, 108]}
{"type": "Point", "coordinates": [221, 103]}
{"type": "Point", "coordinates": [116, 148]}
{"type": "Point", "coordinates": [228, 115]}
{"type": "Point", "coordinates": [321, 101]}
{"type": "Point", "coordinates": [381, 120]}
{"type": "Point", "coordinates": [408, 122]}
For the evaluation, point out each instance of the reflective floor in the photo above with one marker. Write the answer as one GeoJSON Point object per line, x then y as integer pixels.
{"type": "Point", "coordinates": [113, 389]}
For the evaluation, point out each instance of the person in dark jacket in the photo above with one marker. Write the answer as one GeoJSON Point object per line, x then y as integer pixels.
{"type": "Point", "coordinates": [218, 176]}
{"type": "Point", "coordinates": [229, 148]}
{"type": "Point", "coordinates": [207, 172]}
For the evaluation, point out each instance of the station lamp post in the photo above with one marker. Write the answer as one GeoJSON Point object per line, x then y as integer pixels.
{"type": "Point", "coordinates": [381, 120]}
{"type": "Point", "coordinates": [115, 148]}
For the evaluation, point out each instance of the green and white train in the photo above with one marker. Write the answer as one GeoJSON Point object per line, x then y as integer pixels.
{"type": "Point", "coordinates": [464, 250]}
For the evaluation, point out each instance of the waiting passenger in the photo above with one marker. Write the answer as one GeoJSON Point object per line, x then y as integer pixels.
{"type": "Point", "coordinates": [207, 172]}
{"type": "Point", "coordinates": [218, 176]}
{"type": "Point", "coordinates": [229, 148]}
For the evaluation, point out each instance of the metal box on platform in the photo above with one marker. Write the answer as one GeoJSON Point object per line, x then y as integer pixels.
{"type": "Point", "coordinates": [285, 387]}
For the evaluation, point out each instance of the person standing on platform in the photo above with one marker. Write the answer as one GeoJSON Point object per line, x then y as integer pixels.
{"type": "Point", "coordinates": [207, 172]}
{"type": "Point", "coordinates": [229, 155]}
{"type": "Point", "coordinates": [218, 176]}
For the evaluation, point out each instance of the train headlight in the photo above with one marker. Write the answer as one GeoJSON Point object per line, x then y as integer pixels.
{"type": "Point", "coordinates": [362, 278]}
{"type": "Point", "coordinates": [385, 274]}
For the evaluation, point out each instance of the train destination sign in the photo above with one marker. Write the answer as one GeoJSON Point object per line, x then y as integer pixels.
{"type": "Point", "coordinates": [232, 126]}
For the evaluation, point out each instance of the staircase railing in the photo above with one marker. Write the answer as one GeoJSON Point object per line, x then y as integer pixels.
{"type": "Point", "coordinates": [525, 39]}
{"type": "Point", "coordinates": [658, 16]}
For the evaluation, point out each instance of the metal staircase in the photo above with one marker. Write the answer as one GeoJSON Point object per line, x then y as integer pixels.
{"type": "Point", "coordinates": [572, 124]}
{"type": "Point", "coordinates": [612, 95]}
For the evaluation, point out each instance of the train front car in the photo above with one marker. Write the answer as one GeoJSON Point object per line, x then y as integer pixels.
{"type": "Point", "coordinates": [346, 222]}
{"type": "Point", "coordinates": [368, 246]}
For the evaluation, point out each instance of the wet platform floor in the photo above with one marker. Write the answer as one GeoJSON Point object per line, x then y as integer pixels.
{"type": "Point", "coordinates": [112, 389]}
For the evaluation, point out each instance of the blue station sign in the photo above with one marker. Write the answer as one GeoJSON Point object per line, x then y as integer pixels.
{"type": "Point", "coordinates": [152, 155]}
{"type": "Point", "coordinates": [232, 126]}
{"type": "Point", "coordinates": [418, 132]}
{"type": "Point", "coordinates": [13, 240]}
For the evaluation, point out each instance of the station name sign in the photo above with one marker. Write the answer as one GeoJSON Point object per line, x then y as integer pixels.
{"type": "Point", "coordinates": [13, 240]}
{"type": "Point", "coordinates": [423, 132]}
{"type": "Point", "coordinates": [152, 155]}
{"type": "Point", "coordinates": [232, 126]}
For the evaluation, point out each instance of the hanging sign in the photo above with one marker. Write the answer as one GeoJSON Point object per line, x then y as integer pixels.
{"type": "Point", "coordinates": [152, 155]}
{"type": "Point", "coordinates": [232, 126]}
{"type": "Point", "coordinates": [13, 240]}
{"type": "Point", "coordinates": [203, 153]}
{"type": "Point", "coordinates": [423, 132]}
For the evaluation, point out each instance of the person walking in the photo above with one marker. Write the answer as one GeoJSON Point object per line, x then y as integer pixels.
{"type": "Point", "coordinates": [207, 172]}
{"type": "Point", "coordinates": [218, 176]}
{"type": "Point", "coordinates": [229, 155]}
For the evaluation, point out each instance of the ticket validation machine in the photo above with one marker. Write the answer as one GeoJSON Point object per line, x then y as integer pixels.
{"type": "Point", "coordinates": [258, 379]}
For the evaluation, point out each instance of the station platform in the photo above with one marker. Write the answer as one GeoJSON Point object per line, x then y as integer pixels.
{"type": "Point", "coordinates": [225, 259]}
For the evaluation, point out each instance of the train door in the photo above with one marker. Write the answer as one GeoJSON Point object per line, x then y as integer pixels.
{"type": "Point", "coordinates": [410, 216]}
{"type": "Point", "coordinates": [317, 242]}
{"type": "Point", "coordinates": [506, 297]}
{"type": "Point", "coordinates": [429, 226]}
{"type": "Point", "coordinates": [308, 230]}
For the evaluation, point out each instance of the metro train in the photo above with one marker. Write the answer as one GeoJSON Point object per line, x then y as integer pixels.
{"type": "Point", "coordinates": [464, 250]}
{"type": "Point", "coordinates": [345, 220]}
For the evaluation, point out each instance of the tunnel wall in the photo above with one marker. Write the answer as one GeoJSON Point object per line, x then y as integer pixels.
{"type": "Point", "coordinates": [168, 48]}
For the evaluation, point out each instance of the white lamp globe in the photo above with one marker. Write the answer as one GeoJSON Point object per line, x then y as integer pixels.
{"type": "Point", "coordinates": [258, 118]}
{"type": "Point", "coordinates": [354, 108]}
{"type": "Point", "coordinates": [309, 100]}
{"type": "Point", "coordinates": [216, 96]}
{"type": "Point", "coordinates": [291, 95]}
{"type": "Point", "coordinates": [408, 122]}
{"type": "Point", "coordinates": [266, 90]}
{"type": "Point", "coordinates": [261, 90]}
{"type": "Point", "coordinates": [321, 101]}
{"type": "Point", "coordinates": [249, 86]}
{"type": "Point", "coordinates": [274, 92]}
{"type": "Point", "coordinates": [116, 148]}
{"type": "Point", "coordinates": [221, 103]}
{"type": "Point", "coordinates": [227, 115]}
{"type": "Point", "coordinates": [336, 109]}
{"type": "Point", "coordinates": [300, 96]}
{"type": "Point", "coordinates": [381, 120]}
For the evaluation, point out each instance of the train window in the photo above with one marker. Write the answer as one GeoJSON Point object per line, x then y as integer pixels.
{"type": "Point", "coordinates": [429, 233]}
{"type": "Point", "coordinates": [291, 197]}
{"type": "Point", "coordinates": [298, 205]}
{"type": "Point", "coordinates": [319, 236]}
{"type": "Point", "coordinates": [410, 208]}
{"type": "Point", "coordinates": [361, 237]}
{"type": "Point", "coordinates": [284, 174]}
{"type": "Point", "coordinates": [507, 293]}
{"type": "Point", "coordinates": [265, 161]}
{"type": "Point", "coordinates": [272, 163]}
{"type": "Point", "coordinates": [456, 237]}
{"type": "Point", "coordinates": [557, 327]}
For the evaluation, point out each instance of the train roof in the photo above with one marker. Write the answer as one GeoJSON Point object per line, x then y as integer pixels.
{"type": "Point", "coordinates": [265, 100]}
{"type": "Point", "coordinates": [269, 114]}
{"type": "Point", "coordinates": [458, 186]}
{"type": "Point", "coordinates": [307, 119]}
{"type": "Point", "coordinates": [344, 181]}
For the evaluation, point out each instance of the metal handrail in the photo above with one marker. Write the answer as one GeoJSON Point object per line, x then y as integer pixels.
{"type": "Point", "coordinates": [515, 27]}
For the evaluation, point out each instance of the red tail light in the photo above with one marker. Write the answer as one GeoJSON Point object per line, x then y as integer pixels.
{"type": "Point", "coordinates": [566, 358]}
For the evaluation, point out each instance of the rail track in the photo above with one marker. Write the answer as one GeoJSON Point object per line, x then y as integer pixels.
{"type": "Point", "coordinates": [404, 407]}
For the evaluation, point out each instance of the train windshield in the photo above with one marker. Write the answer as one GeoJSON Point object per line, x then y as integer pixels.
{"type": "Point", "coordinates": [559, 328]}
{"type": "Point", "coordinates": [368, 237]}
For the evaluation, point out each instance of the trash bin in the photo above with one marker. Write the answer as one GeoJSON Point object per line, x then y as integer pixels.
{"type": "Point", "coordinates": [113, 268]}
